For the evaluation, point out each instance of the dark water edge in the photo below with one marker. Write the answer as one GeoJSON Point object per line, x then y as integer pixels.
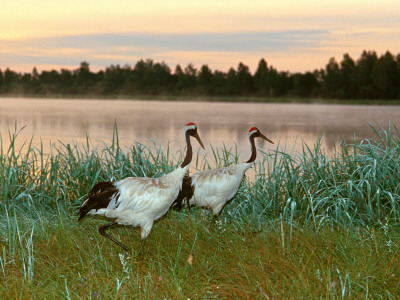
{"type": "Point", "coordinates": [238, 99]}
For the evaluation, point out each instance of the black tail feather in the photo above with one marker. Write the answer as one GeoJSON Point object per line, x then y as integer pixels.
{"type": "Point", "coordinates": [99, 197]}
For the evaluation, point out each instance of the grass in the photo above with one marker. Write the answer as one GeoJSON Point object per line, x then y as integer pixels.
{"type": "Point", "coordinates": [240, 263]}
{"type": "Point", "coordinates": [310, 224]}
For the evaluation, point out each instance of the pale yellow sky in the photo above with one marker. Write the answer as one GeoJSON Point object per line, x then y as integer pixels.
{"type": "Point", "coordinates": [291, 35]}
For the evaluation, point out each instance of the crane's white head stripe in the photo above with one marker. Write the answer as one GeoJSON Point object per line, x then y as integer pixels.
{"type": "Point", "coordinates": [188, 127]}
{"type": "Point", "coordinates": [252, 132]}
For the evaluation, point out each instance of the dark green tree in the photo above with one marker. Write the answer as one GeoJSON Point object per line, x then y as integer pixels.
{"type": "Point", "coordinates": [347, 82]}
{"type": "Point", "coordinates": [363, 75]}
{"type": "Point", "coordinates": [304, 84]}
{"type": "Point", "coordinates": [231, 83]}
{"type": "Point", "coordinates": [219, 83]}
{"type": "Point", "coordinates": [1, 81]}
{"type": "Point", "coordinates": [191, 77]}
{"type": "Point", "coordinates": [332, 84]}
{"type": "Point", "coordinates": [369, 77]}
{"type": "Point", "coordinates": [161, 83]}
{"type": "Point", "coordinates": [182, 81]}
{"type": "Point", "coordinates": [205, 80]}
{"type": "Point", "coordinates": [115, 80]}
{"type": "Point", "coordinates": [84, 79]}
{"type": "Point", "coordinates": [398, 75]}
{"type": "Point", "coordinates": [142, 76]}
{"type": "Point", "coordinates": [49, 82]}
{"type": "Point", "coordinates": [281, 83]}
{"type": "Point", "coordinates": [10, 81]}
{"type": "Point", "coordinates": [261, 78]}
{"type": "Point", "coordinates": [244, 80]}
{"type": "Point", "coordinates": [67, 82]}
{"type": "Point", "coordinates": [384, 76]}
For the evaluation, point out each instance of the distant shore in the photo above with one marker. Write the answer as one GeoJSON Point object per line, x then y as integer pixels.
{"type": "Point", "coordinates": [236, 99]}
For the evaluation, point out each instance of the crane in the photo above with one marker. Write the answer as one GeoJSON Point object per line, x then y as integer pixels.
{"type": "Point", "coordinates": [213, 188]}
{"type": "Point", "coordinates": [138, 201]}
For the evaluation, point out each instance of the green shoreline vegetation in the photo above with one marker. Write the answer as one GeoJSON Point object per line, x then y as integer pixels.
{"type": "Point", "coordinates": [226, 99]}
{"type": "Point", "coordinates": [309, 225]}
{"type": "Point", "coordinates": [370, 77]}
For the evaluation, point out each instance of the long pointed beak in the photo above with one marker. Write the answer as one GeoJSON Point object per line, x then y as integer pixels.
{"type": "Point", "coordinates": [199, 140]}
{"type": "Point", "coordinates": [265, 138]}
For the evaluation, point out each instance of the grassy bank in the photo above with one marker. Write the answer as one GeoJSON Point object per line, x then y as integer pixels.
{"type": "Point", "coordinates": [309, 224]}
{"type": "Point", "coordinates": [189, 260]}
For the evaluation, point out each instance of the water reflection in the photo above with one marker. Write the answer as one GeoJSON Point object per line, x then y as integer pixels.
{"type": "Point", "coordinates": [162, 121]}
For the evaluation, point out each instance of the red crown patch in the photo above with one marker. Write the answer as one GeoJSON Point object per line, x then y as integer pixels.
{"type": "Point", "coordinates": [190, 124]}
{"type": "Point", "coordinates": [253, 128]}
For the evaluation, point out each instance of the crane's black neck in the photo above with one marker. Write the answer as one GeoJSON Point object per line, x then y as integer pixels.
{"type": "Point", "coordinates": [189, 151]}
{"type": "Point", "coordinates": [253, 150]}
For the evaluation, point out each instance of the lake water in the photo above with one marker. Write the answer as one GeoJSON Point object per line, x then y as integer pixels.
{"type": "Point", "coordinates": [51, 120]}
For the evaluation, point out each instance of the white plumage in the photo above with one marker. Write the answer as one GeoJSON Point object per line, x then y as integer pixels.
{"type": "Point", "coordinates": [138, 201]}
{"type": "Point", "coordinates": [141, 201]}
{"type": "Point", "coordinates": [213, 188]}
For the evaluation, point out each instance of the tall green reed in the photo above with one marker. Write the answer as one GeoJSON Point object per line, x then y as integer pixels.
{"type": "Point", "coordinates": [356, 184]}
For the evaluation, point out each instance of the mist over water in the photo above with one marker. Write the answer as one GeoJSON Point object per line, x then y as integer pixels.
{"type": "Point", "coordinates": [52, 120]}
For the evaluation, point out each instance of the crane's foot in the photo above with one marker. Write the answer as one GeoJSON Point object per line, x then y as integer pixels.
{"type": "Point", "coordinates": [140, 253]}
{"type": "Point", "coordinates": [189, 219]}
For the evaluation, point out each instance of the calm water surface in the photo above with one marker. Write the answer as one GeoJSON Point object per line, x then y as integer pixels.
{"type": "Point", "coordinates": [51, 120]}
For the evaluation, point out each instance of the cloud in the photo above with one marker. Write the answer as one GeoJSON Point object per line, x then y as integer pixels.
{"type": "Point", "coordinates": [294, 50]}
{"type": "Point", "coordinates": [120, 48]}
{"type": "Point", "coordinates": [257, 41]}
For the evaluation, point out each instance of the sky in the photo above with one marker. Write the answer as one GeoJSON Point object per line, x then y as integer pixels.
{"type": "Point", "coordinates": [291, 35]}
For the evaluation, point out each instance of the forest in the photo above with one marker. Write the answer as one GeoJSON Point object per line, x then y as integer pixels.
{"type": "Point", "coordinates": [369, 77]}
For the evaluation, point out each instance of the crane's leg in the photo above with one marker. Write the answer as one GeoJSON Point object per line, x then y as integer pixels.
{"type": "Point", "coordinates": [216, 223]}
{"type": "Point", "coordinates": [215, 216]}
{"type": "Point", "coordinates": [216, 213]}
{"type": "Point", "coordinates": [189, 219]}
{"type": "Point", "coordinates": [145, 231]}
{"type": "Point", "coordinates": [140, 253]}
{"type": "Point", "coordinates": [102, 231]}
{"type": "Point", "coordinates": [214, 220]}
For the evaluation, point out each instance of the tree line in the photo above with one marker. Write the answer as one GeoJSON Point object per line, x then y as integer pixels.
{"type": "Point", "coordinates": [369, 77]}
